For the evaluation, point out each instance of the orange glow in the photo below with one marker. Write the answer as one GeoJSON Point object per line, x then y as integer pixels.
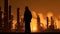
{"type": "Point", "coordinates": [14, 22]}
{"type": "Point", "coordinates": [34, 29]}
{"type": "Point", "coordinates": [42, 20]}
{"type": "Point", "coordinates": [34, 22]}
{"type": "Point", "coordinates": [34, 14]}
{"type": "Point", "coordinates": [49, 14]}
{"type": "Point", "coordinates": [33, 25]}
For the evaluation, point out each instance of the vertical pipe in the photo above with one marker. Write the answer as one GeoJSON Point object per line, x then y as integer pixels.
{"type": "Point", "coordinates": [47, 22]}
{"type": "Point", "coordinates": [0, 19]}
{"type": "Point", "coordinates": [5, 15]}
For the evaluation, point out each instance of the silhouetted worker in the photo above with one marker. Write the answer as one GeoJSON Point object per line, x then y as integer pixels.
{"type": "Point", "coordinates": [27, 19]}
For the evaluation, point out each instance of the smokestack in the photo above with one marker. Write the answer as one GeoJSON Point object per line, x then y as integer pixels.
{"type": "Point", "coordinates": [0, 19]}
{"type": "Point", "coordinates": [6, 15]}
{"type": "Point", "coordinates": [38, 22]}
{"type": "Point", "coordinates": [47, 23]}
{"type": "Point", "coordinates": [18, 15]}
{"type": "Point", "coordinates": [18, 20]}
{"type": "Point", "coordinates": [52, 21]}
{"type": "Point", "coordinates": [10, 21]}
{"type": "Point", "coordinates": [52, 24]}
{"type": "Point", "coordinates": [9, 12]}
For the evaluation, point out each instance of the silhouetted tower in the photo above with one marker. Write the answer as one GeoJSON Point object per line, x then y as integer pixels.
{"type": "Point", "coordinates": [52, 24]}
{"type": "Point", "coordinates": [38, 22]}
{"type": "Point", "coordinates": [0, 19]}
{"type": "Point", "coordinates": [52, 21]}
{"type": "Point", "coordinates": [6, 15]}
{"type": "Point", "coordinates": [10, 18]}
{"type": "Point", "coordinates": [18, 20]}
{"type": "Point", "coordinates": [47, 22]}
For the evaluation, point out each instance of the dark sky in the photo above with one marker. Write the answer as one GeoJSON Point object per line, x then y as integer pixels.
{"type": "Point", "coordinates": [38, 6]}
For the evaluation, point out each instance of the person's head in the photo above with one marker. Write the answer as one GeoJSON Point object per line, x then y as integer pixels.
{"type": "Point", "coordinates": [26, 8]}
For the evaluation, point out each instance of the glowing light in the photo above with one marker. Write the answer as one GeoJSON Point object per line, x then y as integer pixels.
{"type": "Point", "coordinates": [33, 25]}
{"type": "Point", "coordinates": [34, 29]}
{"type": "Point", "coordinates": [49, 14]}
{"type": "Point", "coordinates": [34, 14]}
{"type": "Point", "coordinates": [42, 20]}
{"type": "Point", "coordinates": [14, 22]}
